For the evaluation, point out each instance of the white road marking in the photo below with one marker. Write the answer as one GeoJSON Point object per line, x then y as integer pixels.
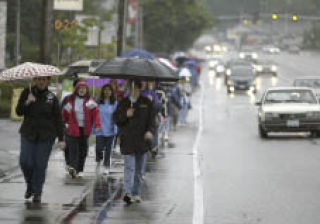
{"type": "Point", "coordinates": [198, 204]}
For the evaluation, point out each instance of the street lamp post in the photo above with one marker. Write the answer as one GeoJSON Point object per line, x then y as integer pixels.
{"type": "Point", "coordinates": [120, 35]}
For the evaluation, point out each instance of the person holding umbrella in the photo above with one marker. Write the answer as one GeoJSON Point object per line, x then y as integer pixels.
{"type": "Point", "coordinates": [42, 123]}
{"type": "Point", "coordinates": [80, 114]}
{"type": "Point", "coordinates": [135, 118]}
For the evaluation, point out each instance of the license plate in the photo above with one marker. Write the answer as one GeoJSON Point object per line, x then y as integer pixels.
{"type": "Point", "coordinates": [242, 87]}
{"type": "Point", "coordinates": [293, 123]}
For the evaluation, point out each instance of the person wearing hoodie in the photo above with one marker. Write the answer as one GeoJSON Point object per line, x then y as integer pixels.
{"type": "Point", "coordinates": [80, 114]}
{"type": "Point", "coordinates": [41, 125]}
{"type": "Point", "coordinates": [135, 118]}
{"type": "Point", "coordinates": [105, 137]}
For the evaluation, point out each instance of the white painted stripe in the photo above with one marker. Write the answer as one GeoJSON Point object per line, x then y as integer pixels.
{"type": "Point", "coordinates": [198, 204]}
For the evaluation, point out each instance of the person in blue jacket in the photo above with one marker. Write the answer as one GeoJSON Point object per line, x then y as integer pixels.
{"type": "Point", "coordinates": [105, 137]}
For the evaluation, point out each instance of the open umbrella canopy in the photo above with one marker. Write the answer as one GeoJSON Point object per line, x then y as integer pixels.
{"type": "Point", "coordinates": [167, 63]}
{"type": "Point", "coordinates": [29, 70]}
{"type": "Point", "coordinates": [138, 53]}
{"type": "Point", "coordinates": [82, 67]}
{"type": "Point", "coordinates": [135, 68]}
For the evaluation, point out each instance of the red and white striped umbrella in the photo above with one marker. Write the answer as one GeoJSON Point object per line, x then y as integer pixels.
{"type": "Point", "coordinates": [29, 70]}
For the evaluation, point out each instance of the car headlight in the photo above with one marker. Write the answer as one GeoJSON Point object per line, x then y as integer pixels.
{"type": "Point", "coordinates": [254, 56]}
{"type": "Point", "coordinates": [242, 55]}
{"type": "Point", "coordinates": [259, 68]}
{"type": "Point", "coordinates": [269, 116]}
{"type": "Point", "coordinates": [220, 68]}
{"type": "Point", "coordinates": [212, 64]}
{"type": "Point", "coordinates": [314, 115]}
{"type": "Point", "coordinates": [230, 82]}
{"type": "Point", "coordinates": [228, 72]}
{"type": "Point", "coordinates": [274, 68]}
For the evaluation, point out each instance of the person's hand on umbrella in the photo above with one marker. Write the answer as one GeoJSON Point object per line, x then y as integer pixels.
{"type": "Point", "coordinates": [130, 112]}
{"type": "Point", "coordinates": [148, 135]}
{"type": "Point", "coordinates": [30, 99]}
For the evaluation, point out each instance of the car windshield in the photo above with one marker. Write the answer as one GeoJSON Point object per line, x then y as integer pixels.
{"type": "Point", "coordinates": [313, 83]}
{"type": "Point", "coordinates": [290, 96]}
{"type": "Point", "coordinates": [242, 72]}
{"type": "Point", "coordinates": [242, 62]}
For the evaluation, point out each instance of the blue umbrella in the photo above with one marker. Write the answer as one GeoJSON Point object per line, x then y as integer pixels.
{"type": "Point", "coordinates": [138, 53]}
{"type": "Point", "coordinates": [191, 63]}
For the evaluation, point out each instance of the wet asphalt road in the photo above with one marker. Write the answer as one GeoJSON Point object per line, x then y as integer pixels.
{"type": "Point", "coordinates": [250, 180]}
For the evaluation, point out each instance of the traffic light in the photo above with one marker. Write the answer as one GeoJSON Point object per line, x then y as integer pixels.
{"type": "Point", "coordinates": [274, 16]}
{"type": "Point", "coordinates": [295, 18]}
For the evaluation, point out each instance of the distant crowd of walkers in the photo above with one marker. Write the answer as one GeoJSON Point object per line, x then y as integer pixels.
{"type": "Point", "coordinates": [135, 115]}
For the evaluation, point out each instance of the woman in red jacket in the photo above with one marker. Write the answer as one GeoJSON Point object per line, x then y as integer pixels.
{"type": "Point", "coordinates": [80, 114]}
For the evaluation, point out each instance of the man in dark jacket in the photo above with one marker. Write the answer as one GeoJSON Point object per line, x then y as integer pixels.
{"type": "Point", "coordinates": [41, 125]}
{"type": "Point", "coordinates": [135, 118]}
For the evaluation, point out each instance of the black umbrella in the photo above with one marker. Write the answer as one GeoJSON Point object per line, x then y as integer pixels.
{"type": "Point", "coordinates": [82, 67]}
{"type": "Point", "coordinates": [135, 68]}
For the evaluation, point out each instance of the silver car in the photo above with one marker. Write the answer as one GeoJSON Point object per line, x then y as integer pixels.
{"type": "Point", "coordinates": [288, 109]}
{"type": "Point", "coordinates": [311, 82]}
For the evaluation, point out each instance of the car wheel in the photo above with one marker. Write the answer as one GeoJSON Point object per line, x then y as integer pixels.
{"type": "Point", "coordinates": [262, 132]}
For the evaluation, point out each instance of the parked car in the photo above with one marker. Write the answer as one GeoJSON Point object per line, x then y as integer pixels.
{"type": "Point", "coordinates": [266, 67]}
{"type": "Point", "coordinates": [311, 82]}
{"type": "Point", "coordinates": [241, 78]}
{"type": "Point", "coordinates": [288, 109]}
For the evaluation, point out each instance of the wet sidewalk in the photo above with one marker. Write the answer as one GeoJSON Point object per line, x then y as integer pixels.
{"type": "Point", "coordinates": [10, 145]}
{"type": "Point", "coordinates": [61, 197]}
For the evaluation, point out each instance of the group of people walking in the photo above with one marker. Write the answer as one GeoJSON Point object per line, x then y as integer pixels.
{"type": "Point", "coordinates": [132, 118]}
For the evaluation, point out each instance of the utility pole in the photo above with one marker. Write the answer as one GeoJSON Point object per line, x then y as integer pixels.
{"type": "Point", "coordinates": [18, 22]}
{"type": "Point", "coordinates": [120, 36]}
{"type": "Point", "coordinates": [140, 28]}
{"type": "Point", "coordinates": [46, 31]}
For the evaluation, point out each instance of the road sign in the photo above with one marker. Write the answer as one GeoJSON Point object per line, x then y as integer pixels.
{"type": "Point", "coordinates": [69, 5]}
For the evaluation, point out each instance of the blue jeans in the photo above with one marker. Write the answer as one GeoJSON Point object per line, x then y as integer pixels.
{"type": "Point", "coordinates": [183, 113]}
{"type": "Point", "coordinates": [34, 158]}
{"type": "Point", "coordinates": [104, 146]}
{"type": "Point", "coordinates": [133, 171]}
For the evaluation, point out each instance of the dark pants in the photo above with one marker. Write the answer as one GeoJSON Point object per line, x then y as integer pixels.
{"type": "Point", "coordinates": [34, 158]}
{"type": "Point", "coordinates": [78, 150]}
{"type": "Point", "coordinates": [104, 146]}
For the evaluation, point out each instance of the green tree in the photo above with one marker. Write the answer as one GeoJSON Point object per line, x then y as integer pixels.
{"type": "Point", "coordinates": [173, 25]}
{"type": "Point", "coordinates": [312, 38]}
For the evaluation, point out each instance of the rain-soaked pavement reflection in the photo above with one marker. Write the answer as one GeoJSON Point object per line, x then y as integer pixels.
{"type": "Point", "coordinates": [97, 201]}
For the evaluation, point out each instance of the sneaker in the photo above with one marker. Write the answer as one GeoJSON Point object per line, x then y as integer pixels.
{"type": "Point", "coordinates": [127, 199]}
{"type": "Point", "coordinates": [137, 199]}
{"type": "Point", "coordinates": [79, 175]}
{"type": "Point", "coordinates": [72, 172]}
{"type": "Point", "coordinates": [27, 195]}
{"type": "Point", "coordinates": [36, 198]}
{"type": "Point", "coordinates": [106, 170]}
